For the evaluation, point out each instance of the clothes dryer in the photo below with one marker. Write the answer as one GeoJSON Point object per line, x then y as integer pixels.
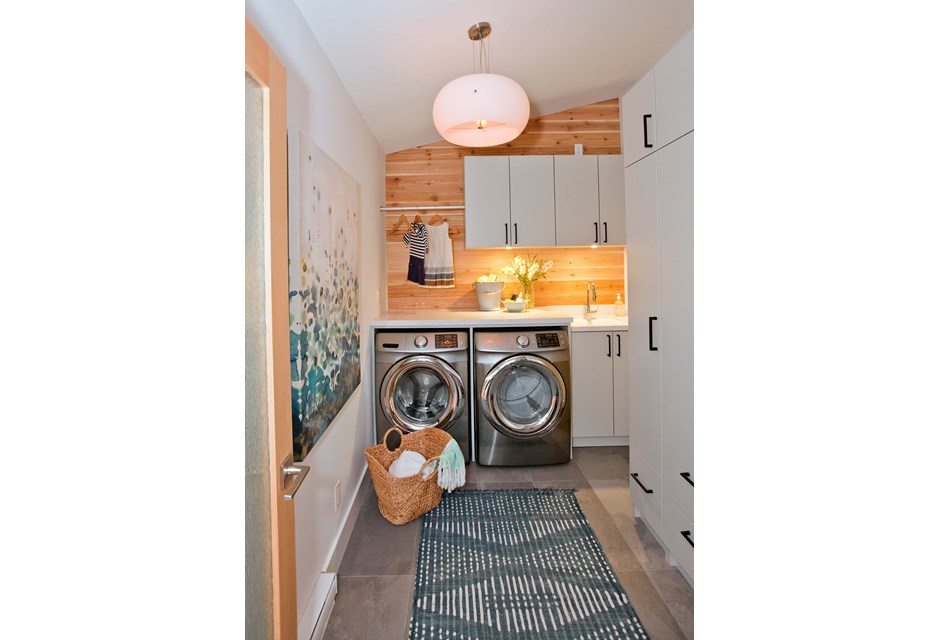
{"type": "Point", "coordinates": [422, 381]}
{"type": "Point", "coordinates": [523, 412]}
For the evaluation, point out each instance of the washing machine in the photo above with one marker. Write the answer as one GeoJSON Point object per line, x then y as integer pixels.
{"type": "Point", "coordinates": [523, 415]}
{"type": "Point", "coordinates": [422, 381]}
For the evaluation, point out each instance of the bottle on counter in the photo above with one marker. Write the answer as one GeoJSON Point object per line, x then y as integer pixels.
{"type": "Point", "coordinates": [619, 309]}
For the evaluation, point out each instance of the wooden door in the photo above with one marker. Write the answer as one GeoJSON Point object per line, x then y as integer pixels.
{"type": "Point", "coordinates": [644, 336]}
{"type": "Point", "coordinates": [486, 197]}
{"type": "Point", "coordinates": [269, 517]}
{"type": "Point", "coordinates": [532, 201]}
{"type": "Point", "coordinates": [577, 221]}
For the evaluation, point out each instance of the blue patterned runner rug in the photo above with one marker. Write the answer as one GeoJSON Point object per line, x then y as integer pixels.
{"type": "Point", "coordinates": [508, 564]}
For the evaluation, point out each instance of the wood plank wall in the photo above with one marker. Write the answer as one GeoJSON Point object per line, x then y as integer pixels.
{"type": "Point", "coordinates": [432, 175]}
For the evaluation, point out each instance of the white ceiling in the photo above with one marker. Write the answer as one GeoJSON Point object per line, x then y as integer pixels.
{"type": "Point", "coordinates": [395, 55]}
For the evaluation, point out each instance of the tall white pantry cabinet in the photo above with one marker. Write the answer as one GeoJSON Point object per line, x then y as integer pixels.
{"type": "Point", "coordinates": [658, 133]}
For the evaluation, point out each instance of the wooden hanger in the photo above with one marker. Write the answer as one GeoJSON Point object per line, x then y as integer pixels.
{"type": "Point", "coordinates": [437, 219]}
{"type": "Point", "coordinates": [418, 218]}
{"type": "Point", "coordinates": [402, 220]}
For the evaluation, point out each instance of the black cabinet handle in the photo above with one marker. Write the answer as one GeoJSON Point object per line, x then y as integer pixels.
{"type": "Point", "coordinates": [635, 476]}
{"type": "Point", "coordinates": [652, 348]}
{"type": "Point", "coordinates": [646, 141]}
{"type": "Point", "coordinates": [605, 233]}
{"type": "Point", "coordinates": [686, 534]}
{"type": "Point", "coordinates": [506, 228]}
{"type": "Point", "coordinates": [618, 345]}
{"type": "Point", "coordinates": [686, 475]}
{"type": "Point", "coordinates": [608, 345]}
{"type": "Point", "coordinates": [515, 228]}
{"type": "Point", "coordinates": [596, 237]}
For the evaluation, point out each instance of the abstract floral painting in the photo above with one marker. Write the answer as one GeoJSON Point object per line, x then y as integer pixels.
{"type": "Point", "coordinates": [323, 204]}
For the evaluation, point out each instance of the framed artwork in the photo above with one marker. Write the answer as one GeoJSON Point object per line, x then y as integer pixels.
{"type": "Point", "coordinates": [324, 218]}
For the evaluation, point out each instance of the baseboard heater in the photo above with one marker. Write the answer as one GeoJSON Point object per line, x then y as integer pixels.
{"type": "Point", "coordinates": [317, 612]}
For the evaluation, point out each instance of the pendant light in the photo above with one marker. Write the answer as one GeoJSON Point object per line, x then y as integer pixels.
{"type": "Point", "coordinates": [482, 109]}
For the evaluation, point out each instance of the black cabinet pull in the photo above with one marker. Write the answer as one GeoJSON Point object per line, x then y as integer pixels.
{"type": "Point", "coordinates": [506, 228]}
{"type": "Point", "coordinates": [515, 228]}
{"type": "Point", "coordinates": [652, 348]}
{"type": "Point", "coordinates": [596, 237]}
{"type": "Point", "coordinates": [646, 141]}
{"type": "Point", "coordinates": [635, 476]}
{"type": "Point", "coordinates": [686, 475]}
{"type": "Point", "coordinates": [685, 534]}
{"type": "Point", "coordinates": [605, 233]}
{"type": "Point", "coordinates": [608, 345]}
{"type": "Point", "coordinates": [618, 345]}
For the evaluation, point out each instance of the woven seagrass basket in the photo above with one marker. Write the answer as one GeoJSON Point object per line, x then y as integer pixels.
{"type": "Point", "coordinates": [402, 500]}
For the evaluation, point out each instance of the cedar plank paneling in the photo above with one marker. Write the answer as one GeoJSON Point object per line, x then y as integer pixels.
{"type": "Point", "coordinates": [432, 174]}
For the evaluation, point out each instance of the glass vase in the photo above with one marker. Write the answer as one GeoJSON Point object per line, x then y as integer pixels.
{"type": "Point", "coordinates": [528, 291]}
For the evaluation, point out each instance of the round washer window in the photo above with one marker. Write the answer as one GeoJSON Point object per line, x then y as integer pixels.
{"type": "Point", "coordinates": [421, 392]}
{"type": "Point", "coordinates": [524, 396]}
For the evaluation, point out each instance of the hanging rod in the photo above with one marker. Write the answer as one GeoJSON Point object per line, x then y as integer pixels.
{"type": "Point", "coordinates": [456, 206]}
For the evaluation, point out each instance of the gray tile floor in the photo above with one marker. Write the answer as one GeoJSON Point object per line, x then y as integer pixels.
{"type": "Point", "coordinates": [376, 575]}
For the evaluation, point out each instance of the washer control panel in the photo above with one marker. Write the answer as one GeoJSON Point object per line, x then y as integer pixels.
{"type": "Point", "coordinates": [445, 341]}
{"type": "Point", "coordinates": [546, 340]}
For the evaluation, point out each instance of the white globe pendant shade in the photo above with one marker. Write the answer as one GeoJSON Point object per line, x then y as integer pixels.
{"type": "Point", "coordinates": [481, 110]}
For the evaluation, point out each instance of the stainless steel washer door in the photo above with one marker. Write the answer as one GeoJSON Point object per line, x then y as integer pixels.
{"type": "Point", "coordinates": [421, 392]}
{"type": "Point", "coordinates": [524, 397]}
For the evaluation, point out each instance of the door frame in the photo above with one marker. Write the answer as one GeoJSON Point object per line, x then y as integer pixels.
{"type": "Point", "coordinates": [265, 67]}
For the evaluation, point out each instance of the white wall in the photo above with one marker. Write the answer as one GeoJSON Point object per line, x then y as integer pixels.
{"type": "Point", "coordinates": [318, 105]}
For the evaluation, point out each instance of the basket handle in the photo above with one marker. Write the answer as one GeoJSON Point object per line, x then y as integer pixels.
{"type": "Point", "coordinates": [400, 433]}
{"type": "Point", "coordinates": [426, 463]}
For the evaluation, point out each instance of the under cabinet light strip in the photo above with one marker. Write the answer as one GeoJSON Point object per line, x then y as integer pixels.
{"type": "Point", "coordinates": [448, 207]}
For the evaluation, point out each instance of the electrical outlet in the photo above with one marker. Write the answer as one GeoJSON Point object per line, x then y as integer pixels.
{"type": "Point", "coordinates": [337, 495]}
{"type": "Point", "coordinates": [579, 149]}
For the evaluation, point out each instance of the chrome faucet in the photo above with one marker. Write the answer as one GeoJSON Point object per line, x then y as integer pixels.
{"type": "Point", "coordinates": [591, 291]}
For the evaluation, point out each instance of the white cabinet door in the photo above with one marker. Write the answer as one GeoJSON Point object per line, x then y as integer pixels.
{"type": "Point", "coordinates": [621, 378]}
{"type": "Point", "coordinates": [673, 77]}
{"type": "Point", "coordinates": [637, 126]}
{"type": "Point", "coordinates": [610, 187]}
{"type": "Point", "coordinates": [645, 411]}
{"type": "Point", "coordinates": [576, 201]}
{"type": "Point", "coordinates": [591, 384]}
{"type": "Point", "coordinates": [679, 536]}
{"type": "Point", "coordinates": [676, 217]}
{"type": "Point", "coordinates": [486, 200]}
{"type": "Point", "coordinates": [532, 201]}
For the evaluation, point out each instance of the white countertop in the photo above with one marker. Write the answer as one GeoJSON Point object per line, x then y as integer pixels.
{"type": "Point", "coordinates": [572, 316]}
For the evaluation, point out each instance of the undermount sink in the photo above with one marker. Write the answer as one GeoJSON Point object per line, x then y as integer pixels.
{"type": "Point", "coordinates": [600, 320]}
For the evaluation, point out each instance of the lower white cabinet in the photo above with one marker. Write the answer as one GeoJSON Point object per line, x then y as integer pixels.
{"type": "Point", "coordinates": [646, 490]}
{"type": "Point", "coordinates": [599, 384]}
{"type": "Point", "coordinates": [679, 536]}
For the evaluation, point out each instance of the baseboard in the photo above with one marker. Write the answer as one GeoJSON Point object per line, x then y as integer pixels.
{"type": "Point", "coordinates": [316, 615]}
{"type": "Point", "coordinates": [349, 523]}
{"type": "Point", "coordinates": [608, 441]}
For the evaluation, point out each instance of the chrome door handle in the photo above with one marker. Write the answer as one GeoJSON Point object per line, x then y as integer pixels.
{"type": "Point", "coordinates": [292, 476]}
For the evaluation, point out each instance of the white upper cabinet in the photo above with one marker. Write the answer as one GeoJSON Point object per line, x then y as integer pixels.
{"type": "Point", "coordinates": [610, 188]}
{"type": "Point", "coordinates": [658, 109]}
{"type": "Point", "coordinates": [532, 201]}
{"type": "Point", "coordinates": [576, 201]}
{"type": "Point", "coordinates": [509, 201]}
{"type": "Point", "coordinates": [486, 200]}
{"type": "Point", "coordinates": [589, 201]}
{"type": "Point", "coordinates": [637, 130]}
{"type": "Point", "coordinates": [674, 93]}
